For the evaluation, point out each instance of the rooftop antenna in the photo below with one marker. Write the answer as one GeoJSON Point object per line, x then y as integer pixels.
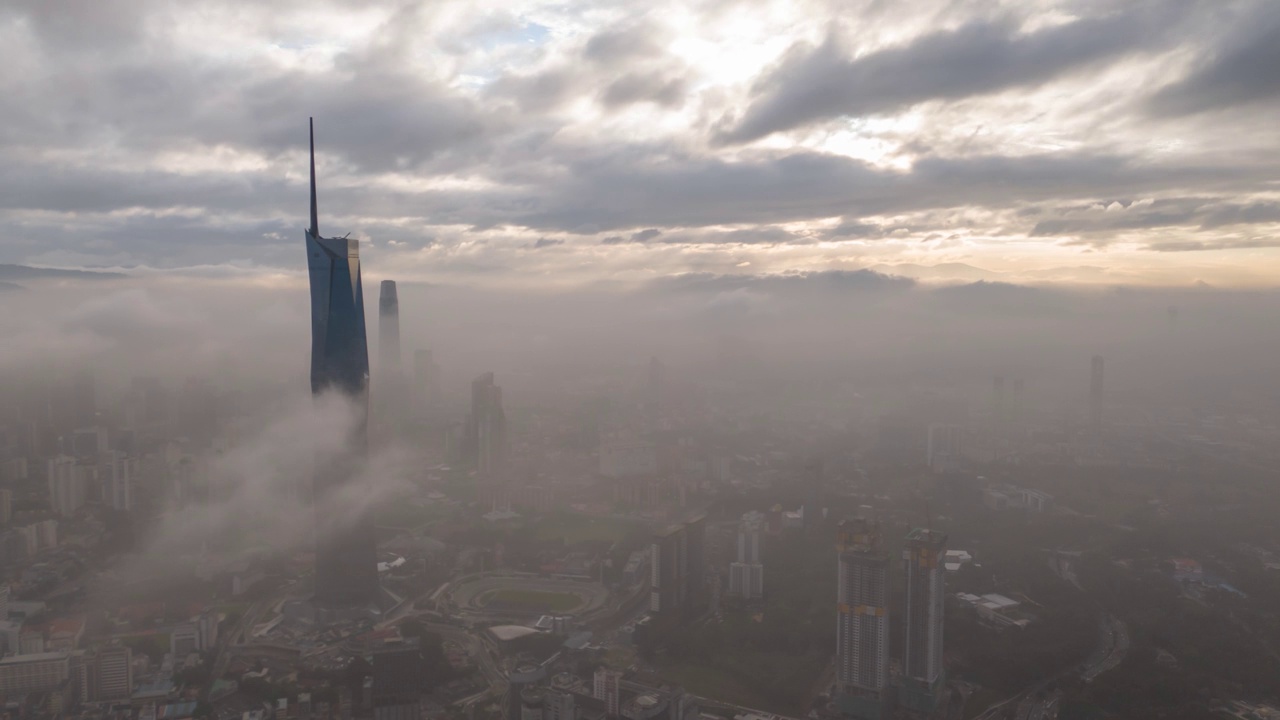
{"type": "Point", "coordinates": [315, 222]}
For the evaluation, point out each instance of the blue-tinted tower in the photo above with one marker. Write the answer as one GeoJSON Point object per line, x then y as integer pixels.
{"type": "Point", "coordinates": [346, 557]}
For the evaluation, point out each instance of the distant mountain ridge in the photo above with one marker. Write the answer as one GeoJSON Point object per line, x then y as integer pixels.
{"type": "Point", "coordinates": [26, 272]}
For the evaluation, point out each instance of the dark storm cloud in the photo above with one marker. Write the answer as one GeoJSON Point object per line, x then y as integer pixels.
{"type": "Point", "coordinates": [1243, 69]}
{"type": "Point", "coordinates": [813, 84]}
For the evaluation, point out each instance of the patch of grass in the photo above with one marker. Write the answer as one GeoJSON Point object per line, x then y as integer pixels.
{"type": "Point", "coordinates": [534, 600]}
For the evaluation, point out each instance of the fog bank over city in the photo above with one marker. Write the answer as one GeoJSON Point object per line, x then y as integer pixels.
{"type": "Point", "coordinates": [1203, 347]}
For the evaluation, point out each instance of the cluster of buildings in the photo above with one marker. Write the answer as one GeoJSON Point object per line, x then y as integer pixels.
{"type": "Point", "coordinates": [539, 693]}
{"type": "Point", "coordinates": [864, 686]}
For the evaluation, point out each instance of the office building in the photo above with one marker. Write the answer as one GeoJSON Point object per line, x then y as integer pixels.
{"type": "Point", "coordinates": [1095, 393]}
{"type": "Point", "coordinates": [862, 620]}
{"type": "Point", "coordinates": [607, 687]}
{"type": "Point", "coordinates": [678, 571]}
{"type": "Point", "coordinates": [486, 431]}
{"type": "Point", "coordinates": [746, 575]}
{"type": "Point", "coordinates": [66, 485]}
{"type": "Point", "coordinates": [114, 674]}
{"type": "Point", "coordinates": [184, 640]}
{"type": "Point", "coordinates": [924, 565]}
{"type": "Point", "coordinates": [399, 674]}
{"type": "Point", "coordinates": [346, 560]}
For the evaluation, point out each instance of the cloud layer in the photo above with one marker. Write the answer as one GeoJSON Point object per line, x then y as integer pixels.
{"type": "Point", "coordinates": [552, 143]}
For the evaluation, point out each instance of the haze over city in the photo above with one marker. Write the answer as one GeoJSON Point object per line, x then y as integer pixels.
{"type": "Point", "coordinates": [714, 360]}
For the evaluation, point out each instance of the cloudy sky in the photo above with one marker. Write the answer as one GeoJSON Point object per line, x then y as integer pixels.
{"type": "Point", "coordinates": [574, 142]}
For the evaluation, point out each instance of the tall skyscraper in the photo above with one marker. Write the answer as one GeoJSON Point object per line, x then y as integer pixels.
{"type": "Point", "coordinates": [389, 327]}
{"type": "Point", "coordinates": [391, 402]}
{"type": "Point", "coordinates": [1095, 393]}
{"type": "Point", "coordinates": [486, 433]}
{"type": "Point", "coordinates": [862, 620]}
{"type": "Point", "coordinates": [746, 576]}
{"type": "Point", "coordinates": [922, 661]}
{"type": "Point", "coordinates": [346, 559]}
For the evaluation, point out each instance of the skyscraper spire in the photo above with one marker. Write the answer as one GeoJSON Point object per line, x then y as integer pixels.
{"type": "Point", "coordinates": [315, 222]}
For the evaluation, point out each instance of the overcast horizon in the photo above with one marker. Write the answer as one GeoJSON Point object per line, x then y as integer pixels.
{"type": "Point", "coordinates": [568, 144]}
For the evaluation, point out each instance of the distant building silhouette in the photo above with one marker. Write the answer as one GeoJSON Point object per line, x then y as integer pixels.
{"type": "Point", "coordinates": [1095, 393]}
{"type": "Point", "coordinates": [746, 575]}
{"type": "Point", "coordinates": [486, 430]}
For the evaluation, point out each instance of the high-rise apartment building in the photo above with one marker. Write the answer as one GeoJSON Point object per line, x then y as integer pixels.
{"type": "Point", "coordinates": [486, 431]}
{"type": "Point", "coordinates": [66, 485]}
{"type": "Point", "coordinates": [923, 561]}
{"type": "Point", "coordinates": [607, 687]}
{"type": "Point", "coordinates": [21, 674]}
{"type": "Point", "coordinates": [862, 619]}
{"type": "Point", "coordinates": [346, 559]}
{"type": "Point", "coordinates": [746, 575]}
